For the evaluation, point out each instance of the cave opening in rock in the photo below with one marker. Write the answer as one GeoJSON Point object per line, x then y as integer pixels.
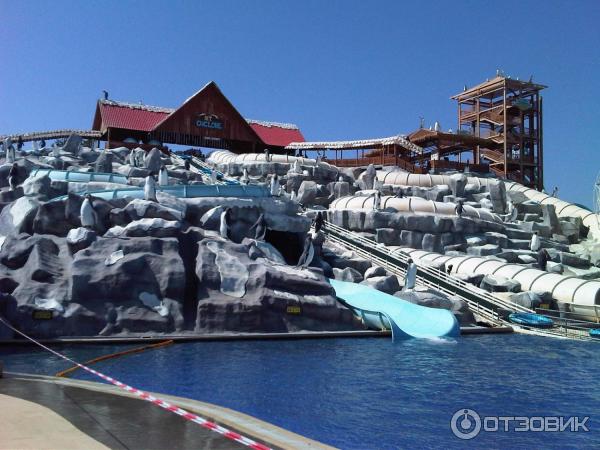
{"type": "Point", "coordinates": [289, 244]}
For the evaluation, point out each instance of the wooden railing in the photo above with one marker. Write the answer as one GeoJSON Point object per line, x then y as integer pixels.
{"type": "Point", "coordinates": [441, 164]}
{"type": "Point", "coordinates": [388, 160]}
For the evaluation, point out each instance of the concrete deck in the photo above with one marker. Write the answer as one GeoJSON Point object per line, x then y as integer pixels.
{"type": "Point", "coordinates": [49, 413]}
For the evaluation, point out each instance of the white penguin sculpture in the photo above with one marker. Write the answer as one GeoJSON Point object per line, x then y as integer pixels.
{"type": "Point", "coordinates": [213, 177]}
{"type": "Point", "coordinates": [13, 177]}
{"type": "Point", "coordinates": [275, 185]}
{"type": "Point", "coordinates": [56, 151]}
{"type": "Point", "coordinates": [377, 201]}
{"type": "Point", "coordinates": [297, 168]}
{"type": "Point", "coordinates": [535, 243]}
{"type": "Point", "coordinates": [163, 176]}
{"type": "Point", "coordinates": [224, 226]}
{"type": "Point", "coordinates": [150, 189]}
{"type": "Point", "coordinates": [308, 253]}
{"type": "Point", "coordinates": [245, 178]}
{"type": "Point", "coordinates": [10, 153]}
{"type": "Point", "coordinates": [132, 161]}
{"type": "Point", "coordinates": [411, 275]}
{"type": "Point", "coordinates": [87, 213]}
{"type": "Point", "coordinates": [140, 155]}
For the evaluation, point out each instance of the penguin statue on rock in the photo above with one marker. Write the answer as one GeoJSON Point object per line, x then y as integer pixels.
{"type": "Point", "coordinates": [296, 167]}
{"type": "Point", "coordinates": [150, 188]}
{"type": "Point", "coordinates": [274, 185]}
{"type": "Point", "coordinates": [132, 161]}
{"type": "Point", "coordinates": [139, 157]}
{"type": "Point", "coordinates": [224, 225]}
{"type": "Point", "coordinates": [411, 275]}
{"type": "Point", "coordinates": [213, 177]}
{"type": "Point", "coordinates": [56, 152]}
{"type": "Point", "coordinates": [377, 201]}
{"type": "Point", "coordinates": [308, 252]}
{"type": "Point", "coordinates": [10, 151]}
{"type": "Point", "coordinates": [163, 176]}
{"type": "Point", "coordinates": [87, 213]}
{"type": "Point", "coordinates": [13, 177]}
{"type": "Point", "coordinates": [260, 227]}
{"type": "Point", "coordinates": [319, 221]}
{"type": "Point", "coordinates": [245, 178]}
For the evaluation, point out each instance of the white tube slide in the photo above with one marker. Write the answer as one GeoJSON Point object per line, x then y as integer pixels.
{"type": "Point", "coordinates": [563, 209]}
{"type": "Point", "coordinates": [563, 288]}
{"type": "Point", "coordinates": [411, 204]}
{"type": "Point", "coordinates": [225, 157]}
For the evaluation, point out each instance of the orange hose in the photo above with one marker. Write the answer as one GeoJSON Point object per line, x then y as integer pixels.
{"type": "Point", "coordinates": [63, 373]}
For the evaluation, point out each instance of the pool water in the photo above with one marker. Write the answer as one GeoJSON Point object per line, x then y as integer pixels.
{"type": "Point", "coordinates": [368, 393]}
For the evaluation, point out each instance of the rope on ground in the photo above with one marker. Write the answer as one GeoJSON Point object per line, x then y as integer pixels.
{"type": "Point", "coordinates": [150, 398]}
{"type": "Point", "coordinates": [64, 373]}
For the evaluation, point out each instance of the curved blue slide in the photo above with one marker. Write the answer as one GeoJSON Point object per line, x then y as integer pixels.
{"type": "Point", "coordinates": [78, 177]}
{"type": "Point", "coordinates": [405, 319]}
{"type": "Point", "coordinates": [185, 191]}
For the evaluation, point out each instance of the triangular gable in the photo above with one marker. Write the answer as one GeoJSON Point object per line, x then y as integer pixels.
{"type": "Point", "coordinates": [97, 118]}
{"type": "Point", "coordinates": [209, 113]}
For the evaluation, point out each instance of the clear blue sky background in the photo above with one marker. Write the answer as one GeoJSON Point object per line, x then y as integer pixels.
{"type": "Point", "coordinates": [339, 69]}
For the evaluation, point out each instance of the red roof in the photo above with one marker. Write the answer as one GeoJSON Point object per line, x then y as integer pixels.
{"type": "Point", "coordinates": [277, 134]}
{"type": "Point", "coordinates": [130, 116]}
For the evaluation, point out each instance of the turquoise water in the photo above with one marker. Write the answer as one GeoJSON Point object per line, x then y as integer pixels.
{"type": "Point", "coordinates": [370, 393]}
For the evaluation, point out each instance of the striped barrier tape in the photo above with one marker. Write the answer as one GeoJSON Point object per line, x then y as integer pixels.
{"type": "Point", "coordinates": [152, 399]}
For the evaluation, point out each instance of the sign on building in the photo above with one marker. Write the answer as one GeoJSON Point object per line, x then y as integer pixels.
{"type": "Point", "coordinates": [211, 121]}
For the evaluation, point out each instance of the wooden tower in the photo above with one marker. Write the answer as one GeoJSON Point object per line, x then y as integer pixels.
{"type": "Point", "coordinates": [509, 113]}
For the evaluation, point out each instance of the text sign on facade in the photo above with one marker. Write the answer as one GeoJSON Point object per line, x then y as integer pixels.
{"type": "Point", "coordinates": [209, 121]}
{"type": "Point", "coordinates": [294, 310]}
{"type": "Point", "coordinates": [42, 314]}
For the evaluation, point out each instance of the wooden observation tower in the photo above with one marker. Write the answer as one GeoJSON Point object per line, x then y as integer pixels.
{"type": "Point", "coordinates": [507, 112]}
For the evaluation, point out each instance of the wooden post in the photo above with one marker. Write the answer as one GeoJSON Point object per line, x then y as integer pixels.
{"type": "Point", "coordinates": [540, 161]}
{"type": "Point", "coordinates": [504, 130]}
{"type": "Point", "coordinates": [478, 132]}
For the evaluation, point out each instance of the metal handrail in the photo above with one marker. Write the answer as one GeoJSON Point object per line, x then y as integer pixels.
{"type": "Point", "coordinates": [398, 269]}
{"type": "Point", "coordinates": [403, 258]}
{"type": "Point", "coordinates": [563, 328]}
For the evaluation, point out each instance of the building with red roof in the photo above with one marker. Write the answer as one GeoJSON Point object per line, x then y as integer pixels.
{"type": "Point", "coordinates": [206, 119]}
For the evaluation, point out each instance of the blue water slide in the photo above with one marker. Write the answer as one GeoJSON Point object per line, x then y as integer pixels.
{"type": "Point", "coordinates": [204, 168]}
{"type": "Point", "coordinates": [79, 177]}
{"type": "Point", "coordinates": [405, 319]}
{"type": "Point", "coordinates": [185, 191]}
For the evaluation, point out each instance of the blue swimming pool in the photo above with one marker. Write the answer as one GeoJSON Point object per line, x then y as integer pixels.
{"type": "Point", "coordinates": [370, 393]}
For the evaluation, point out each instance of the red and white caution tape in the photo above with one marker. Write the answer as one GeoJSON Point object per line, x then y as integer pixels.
{"type": "Point", "coordinates": [150, 398]}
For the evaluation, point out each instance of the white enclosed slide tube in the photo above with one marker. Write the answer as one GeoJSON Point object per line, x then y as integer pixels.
{"type": "Point", "coordinates": [563, 288]}
{"type": "Point", "coordinates": [226, 157]}
{"type": "Point", "coordinates": [425, 180]}
{"type": "Point", "coordinates": [562, 208]}
{"type": "Point", "coordinates": [412, 205]}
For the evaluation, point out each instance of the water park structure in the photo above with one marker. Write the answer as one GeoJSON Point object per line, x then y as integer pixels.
{"type": "Point", "coordinates": [129, 233]}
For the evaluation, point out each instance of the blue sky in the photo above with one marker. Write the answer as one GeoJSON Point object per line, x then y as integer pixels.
{"type": "Point", "coordinates": [339, 69]}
